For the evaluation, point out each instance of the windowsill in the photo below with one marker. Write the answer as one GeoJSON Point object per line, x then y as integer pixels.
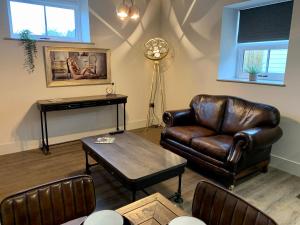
{"type": "Point", "coordinates": [259, 82]}
{"type": "Point", "coordinates": [53, 41]}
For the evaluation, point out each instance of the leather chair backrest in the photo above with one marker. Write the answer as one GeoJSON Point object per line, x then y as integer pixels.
{"type": "Point", "coordinates": [209, 110]}
{"type": "Point", "coordinates": [50, 204]}
{"type": "Point", "coordinates": [241, 115]}
{"type": "Point", "coordinates": [217, 206]}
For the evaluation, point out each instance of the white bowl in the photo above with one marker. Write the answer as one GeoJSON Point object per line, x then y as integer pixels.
{"type": "Point", "coordinates": [105, 217]}
{"type": "Point", "coordinates": [186, 220]}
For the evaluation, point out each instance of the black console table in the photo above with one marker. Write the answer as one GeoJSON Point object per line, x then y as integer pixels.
{"type": "Point", "coordinates": [76, 103]}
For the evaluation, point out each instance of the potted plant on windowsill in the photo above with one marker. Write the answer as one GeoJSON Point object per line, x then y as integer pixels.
{"type": "Point", "coordinates": [253, 71]}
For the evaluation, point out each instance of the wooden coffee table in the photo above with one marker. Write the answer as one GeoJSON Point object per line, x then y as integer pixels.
{"type": "Point", "coordinates": [152, 210]}
{"type": "Point", "coordinates": [135, 162]}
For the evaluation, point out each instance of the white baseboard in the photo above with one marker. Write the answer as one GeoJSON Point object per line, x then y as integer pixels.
{"type": "Point", "coordinates": [21, 146]}
{"type": "Point", "coordinates": [286, 165]}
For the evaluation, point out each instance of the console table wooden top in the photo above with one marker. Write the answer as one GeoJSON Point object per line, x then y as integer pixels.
{"type": "Point", "coordinates": [60, 101]}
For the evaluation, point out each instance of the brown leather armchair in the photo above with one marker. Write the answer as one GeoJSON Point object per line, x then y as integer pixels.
{"type": "Point", "coordinates": [227, 136]}
{"type": "Point", "coordinates": [217, 206]}
{"type": "Point", "coordinates": [50, 204]}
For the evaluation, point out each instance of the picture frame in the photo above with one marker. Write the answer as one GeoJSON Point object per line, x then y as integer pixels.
{"type": "Point", "coordinates": [68, 66]}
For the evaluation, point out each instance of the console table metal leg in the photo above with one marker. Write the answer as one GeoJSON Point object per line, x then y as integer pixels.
{"type": "Point", "coordinates": [46, 151]}
{"type": "Point", "coordinates": [118, 131]}
{"type": "Point", "coordinates": [124, 117]}
{"type": "Point", "coordinates": [42, 127]}
{"type": "Point", "coordinates": [117, 117]}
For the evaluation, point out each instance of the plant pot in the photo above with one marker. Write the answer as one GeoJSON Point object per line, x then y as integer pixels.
{"type": "Point", "coordinates": [252, 77]}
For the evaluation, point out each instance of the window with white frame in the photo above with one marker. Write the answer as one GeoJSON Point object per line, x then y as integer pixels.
{"type": "Point", "coordinates": [269, 58]}
{"type": "Point", "coordinates": [255, 35]}
{"type": "Point", "coordinates": [49, 19]}
{"type": "Point", "coordinates": [263, 41]}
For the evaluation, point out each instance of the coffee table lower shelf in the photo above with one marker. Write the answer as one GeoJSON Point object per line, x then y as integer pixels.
{"type": "Point", "coordinates": [135, 186]}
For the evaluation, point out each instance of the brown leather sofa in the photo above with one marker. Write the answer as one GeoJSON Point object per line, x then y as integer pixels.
{"type": "Point", "coordinates": [68, 200]}
{"type": "Point", "coordinates": [217, 206]}
{"type": "Point", "coordinates": [228, 136]}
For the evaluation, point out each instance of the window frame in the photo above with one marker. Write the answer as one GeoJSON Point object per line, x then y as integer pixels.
{"type": "Point", "coordinates": [71, 4]}
{"type": "Point", "coordinates": [268, 45]}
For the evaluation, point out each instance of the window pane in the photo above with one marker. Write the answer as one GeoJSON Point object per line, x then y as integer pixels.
{"type": "Point", "coordinates": [60, 22]}
{"type": "Point", "coordinates": [255, 58]}
{"type": "Point", "coordinates": [277, 61]}
{"type": "Point", "coordinates": [27, 16]}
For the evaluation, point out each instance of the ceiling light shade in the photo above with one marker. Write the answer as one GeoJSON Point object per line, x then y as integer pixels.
{"type": "Point", "coordinates": [134, 12]}
{"type": "Point", "coordinates": [123, 11]}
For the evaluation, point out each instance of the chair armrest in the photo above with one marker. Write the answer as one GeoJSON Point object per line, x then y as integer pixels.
{"type": "Point", "coordinates": [250, 139]}
{"type": "Point", "coordinates": [178, 117]}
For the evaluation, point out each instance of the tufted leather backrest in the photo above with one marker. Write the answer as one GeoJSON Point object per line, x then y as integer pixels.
{"type": "Point", "coordinates": [217, 206]}
{"type": "Point", "coordinates": [241, 114]}
{"type": "Point", "coordinates": [50, 204]}
{"type": "Point", "coordinates": [209, 110]}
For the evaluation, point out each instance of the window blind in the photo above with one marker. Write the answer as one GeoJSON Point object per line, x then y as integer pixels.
{"type": "Point", "coordinates": [266, 23]}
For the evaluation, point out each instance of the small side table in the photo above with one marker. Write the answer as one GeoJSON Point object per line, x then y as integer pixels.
{"type": "Point", "coordinates": [154, 209]}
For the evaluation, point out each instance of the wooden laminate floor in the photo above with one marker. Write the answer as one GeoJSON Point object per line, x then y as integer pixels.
{"type": "Point", "coordinates": [274, 192]}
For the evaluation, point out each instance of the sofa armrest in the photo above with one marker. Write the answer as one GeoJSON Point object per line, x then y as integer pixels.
{"type": "Point", "coordinates": [178, 117]}
{"type": "Point", "coordinates": [255, 138]}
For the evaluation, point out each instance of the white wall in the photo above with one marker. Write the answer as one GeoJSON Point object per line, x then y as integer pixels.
{"type": "Point", "coordinates": [193, 28]}
{"type": "Point", "coordinates": [20, 124]}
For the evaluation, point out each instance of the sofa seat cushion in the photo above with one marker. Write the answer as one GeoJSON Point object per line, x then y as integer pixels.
{"type": "Point", "coordinates": [184, 134]}
{"type": "Point", "coordinates": [215, 146]}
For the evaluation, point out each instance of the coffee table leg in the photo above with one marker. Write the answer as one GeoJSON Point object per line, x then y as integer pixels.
{"type": "Point", "coordinates": [133, 195]}
{"type": "Point", "coordinates": [87, 165]}
{"type": "Point", "coordinates": [177, 197]}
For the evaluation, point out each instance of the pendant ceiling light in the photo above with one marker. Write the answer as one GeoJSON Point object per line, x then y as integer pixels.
{"type": "Point", "coordinates": [128, 10]}
{"type": "Point", "coordinates": [134, 12]}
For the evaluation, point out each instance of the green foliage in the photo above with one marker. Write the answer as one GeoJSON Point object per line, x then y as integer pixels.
{"type": "Point", "coordinates": [255, 58]}
{"type": "Point", "coordinates": [253, 70]}
{"type": "Point", "coordinates": [30, 50]}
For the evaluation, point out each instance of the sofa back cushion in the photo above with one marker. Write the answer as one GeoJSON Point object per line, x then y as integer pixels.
{"type": "Point", "coordinates": [209, 110]}
{"type": "Point", "coordinates": [241, 115]}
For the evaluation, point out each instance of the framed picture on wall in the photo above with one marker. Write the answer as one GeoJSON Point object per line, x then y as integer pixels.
{"type": "Point", "coordinates": [77, 66]}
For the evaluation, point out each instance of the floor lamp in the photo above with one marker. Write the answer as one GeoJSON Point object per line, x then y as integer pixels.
{"type": "Point", "coordinates": [156, 49]}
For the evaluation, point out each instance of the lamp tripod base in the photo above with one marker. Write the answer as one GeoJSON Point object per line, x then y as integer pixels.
{"type": "Point", "coordinates": [157, 96]}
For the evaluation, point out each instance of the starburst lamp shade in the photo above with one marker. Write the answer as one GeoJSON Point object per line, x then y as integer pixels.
{"type": "Point", "coordinates": [156, 49]}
